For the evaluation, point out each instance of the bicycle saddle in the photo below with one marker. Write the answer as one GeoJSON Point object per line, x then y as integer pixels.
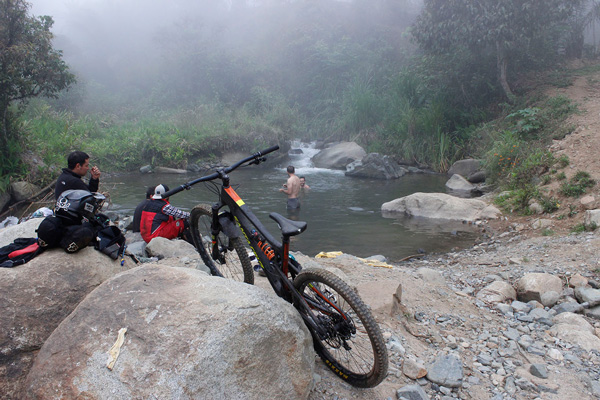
{"type": "Point", "coordinates": [287, 226]}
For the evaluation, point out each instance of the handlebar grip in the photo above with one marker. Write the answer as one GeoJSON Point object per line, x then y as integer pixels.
{"type": "Point", "coordinates": [173, 191]}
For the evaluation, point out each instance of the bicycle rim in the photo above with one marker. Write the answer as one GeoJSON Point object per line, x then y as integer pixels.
{"type": "Point", "coordinates": [353, 348]}
{"type": "Point", "coordinates": [234, 262]}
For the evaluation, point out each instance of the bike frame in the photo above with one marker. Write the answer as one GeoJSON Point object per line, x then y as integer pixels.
{"type": "Point", "coordinates": [273, 255]}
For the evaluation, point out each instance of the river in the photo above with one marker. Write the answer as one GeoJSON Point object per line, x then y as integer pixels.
{"type": "Point", "coordinates": [343, 214]}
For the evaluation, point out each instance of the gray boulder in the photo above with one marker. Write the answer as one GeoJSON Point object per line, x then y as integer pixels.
{"type": "Point", "coordinates": [460, 184]}
{"type": "Point", "coordinates": [23, 190]}
{"type": "Point", "coordinates": [338, 156]}
{"type": "Point", "coordinates": [477, 177]}
{"type": "Point", "coordinates": [532, 286]}
{"type": "Point", "coordinates": [466, 167]}
{"type": "Point", "coordinates": [574, 329]}
{"type": "Point", "coordinates": [375, 166]}
{"type": "Point", "coordinates": [187, 336]}
{"type": "Point", "coordinates": [592, 217]}
{"type": "Point", "coordinates": [446, 370]}
{"type": "Point", "coordinates": [23, 230]}
{"type": "Point", "coordinates": [36, 297]}
{"type": "Point", "coordinates": [165, 248]}
{"type": "Point", "coordinates": [440, 206]}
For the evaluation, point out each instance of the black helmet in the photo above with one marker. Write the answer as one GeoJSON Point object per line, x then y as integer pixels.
{"type": "Point", "coordinates": [78, 205]}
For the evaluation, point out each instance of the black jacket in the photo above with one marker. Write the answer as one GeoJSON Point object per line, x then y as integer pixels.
{"type": "Point", "coordinates": [69, 180]}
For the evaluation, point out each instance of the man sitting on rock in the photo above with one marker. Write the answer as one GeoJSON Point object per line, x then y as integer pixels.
{"type": "Point", "coordinates": [78, 164]}
{"type": "Point", "coordinates": [159, 218]}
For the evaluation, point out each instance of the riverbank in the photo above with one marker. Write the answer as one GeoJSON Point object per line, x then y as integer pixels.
{"type": "Point", "coordinates": [429, 309]}
{"type": "Point", "coordinates": [430, 312]}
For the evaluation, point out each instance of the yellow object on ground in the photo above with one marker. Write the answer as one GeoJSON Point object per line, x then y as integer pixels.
{"type": "Point", "coordinates": [329, 254]}
{"type": "Point", "coordinates": [334, 254]}
{"type": "Point", "coordinates": [114, 351]}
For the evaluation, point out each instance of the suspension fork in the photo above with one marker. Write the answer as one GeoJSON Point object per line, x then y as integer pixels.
{"type": "Point", "coordinates": [215, 228]}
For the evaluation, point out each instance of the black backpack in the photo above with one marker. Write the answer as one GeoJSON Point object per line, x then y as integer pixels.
{"type": "Point", "coordinates": [110, 241]}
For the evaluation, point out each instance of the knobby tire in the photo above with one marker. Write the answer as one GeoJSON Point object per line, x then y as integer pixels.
{"type": "Point", "coordinates": [237, 265]}
{"type": "Point", "coordinates": [358, 357]}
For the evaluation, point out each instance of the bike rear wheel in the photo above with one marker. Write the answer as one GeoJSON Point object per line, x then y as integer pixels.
{"type": "Point", "coordinates": [234, 262]}
{"type": "Point", "coordinates": [353, 346]}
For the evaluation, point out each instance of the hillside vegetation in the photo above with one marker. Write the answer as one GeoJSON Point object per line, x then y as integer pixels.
{"type": "Point", "coordinates": [375, 72]}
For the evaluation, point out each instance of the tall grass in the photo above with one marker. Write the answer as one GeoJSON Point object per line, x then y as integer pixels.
{"type": "Point", "coordinates": [169, 138]}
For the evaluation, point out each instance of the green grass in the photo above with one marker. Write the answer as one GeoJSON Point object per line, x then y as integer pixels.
{"type": "Point", "coordinates": [577, 185]}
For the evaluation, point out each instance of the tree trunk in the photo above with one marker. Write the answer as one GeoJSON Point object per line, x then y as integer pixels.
{"type": "Point", "coordinates": [502, 64]}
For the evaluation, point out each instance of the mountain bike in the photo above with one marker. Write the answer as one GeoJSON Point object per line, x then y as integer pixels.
{"type": "Point", "coordinates": [345, 333]}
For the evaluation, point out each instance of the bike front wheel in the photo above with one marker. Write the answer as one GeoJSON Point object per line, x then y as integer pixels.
{"type": "Point", "coordinates": [350, 341]}
{"type": "Point", "coordinates": [233, 261]}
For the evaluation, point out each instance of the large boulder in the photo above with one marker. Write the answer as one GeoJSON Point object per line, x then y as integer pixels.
{"type": "Point", "coordinates": [375, 166]}
{"type": "Point", "coordinates": [36, 297]}
{"type": "Point", "coordinates": [23, 190]}
{"type": "Point", "coordinates": [187, 335]}
{"type": "Point", "coordinates": [574, 329]}
{"type": "Point", "coordinates": [339, 156]}
{"type": "Point", "coordinates": [466, 167]}
{"type": "Point", "coordinates": [23, 230]}
{"type": "Point", "coordinates": [440, 206]}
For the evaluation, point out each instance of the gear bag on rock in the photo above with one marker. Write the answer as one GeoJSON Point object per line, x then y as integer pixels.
{"type": "Point", "coordinates": [20, 251]}
{"type": "Point", "coordinates": [110, 241]}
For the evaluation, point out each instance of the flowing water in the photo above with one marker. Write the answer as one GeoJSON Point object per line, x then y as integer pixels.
{"type": "Point", "coordinates": [343, 214]}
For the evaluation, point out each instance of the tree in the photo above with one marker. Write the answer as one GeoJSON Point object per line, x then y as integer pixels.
{"type": "Point", "coordinates": [502, 26]}
{"type": "Point", "coordinates": [29, 65]}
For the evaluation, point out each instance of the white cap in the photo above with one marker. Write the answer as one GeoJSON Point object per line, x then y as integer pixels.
{"type": "Point", "coordinates": [159, 191]}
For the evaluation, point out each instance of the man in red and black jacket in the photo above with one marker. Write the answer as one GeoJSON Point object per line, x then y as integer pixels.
{"type": "Point", "coordinates": [161, 219]}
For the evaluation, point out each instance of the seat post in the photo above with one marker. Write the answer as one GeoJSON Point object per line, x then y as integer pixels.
{"type": "Point", "coordinates": [285, 241]}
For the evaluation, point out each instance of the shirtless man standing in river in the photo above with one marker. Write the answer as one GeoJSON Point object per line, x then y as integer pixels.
{"type": "Point", "coordinates": [292, 189]}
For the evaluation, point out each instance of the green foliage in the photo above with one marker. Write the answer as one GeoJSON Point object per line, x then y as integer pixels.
{"type": "Point", "coordinates": [167, 138]}
{"type": "Point", "coordinates": [29, 67]}
{"type": "Point", "coordinates": [583, 227]}
{"type": "Point", "coordinates": [547, 232]}
{"type": "Point", "coordinates": [519, 200]}
{"type": "Point", "coordinates": [563, 161]}
{"type": "Point", "coordinates": [577, 185]}
{"type": "Point", "coordinates": [527, 122]}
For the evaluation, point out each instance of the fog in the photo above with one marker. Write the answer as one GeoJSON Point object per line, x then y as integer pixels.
{"type": "Point", "coordinates": [219, 48]}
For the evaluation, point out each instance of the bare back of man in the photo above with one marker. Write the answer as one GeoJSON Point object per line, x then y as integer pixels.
{"type": "Point", "coordinates": [292, 188]}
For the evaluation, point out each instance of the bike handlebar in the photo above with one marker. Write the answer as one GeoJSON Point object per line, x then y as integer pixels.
{"type": "Point", "coordinates": [256, 158]}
